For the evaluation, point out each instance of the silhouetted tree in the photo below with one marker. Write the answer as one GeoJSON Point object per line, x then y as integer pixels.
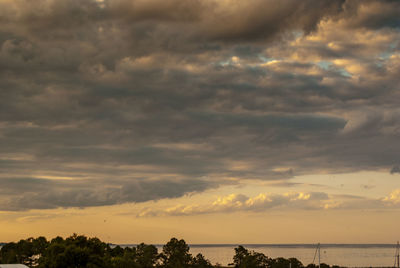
{"type": "Point", "coordinates": [9, 253]}
{"type": "Point", "coordinates": [116, 251]}
{"type": "Point", "coordinates": [78, 251]}
{"type": "Point", "coordinates": [146, 255]}
{"type": "Point", "coordinates": [244, 258]}
{"type": "Point", "coordinates": [75, 251]}
{"type": "Point", "coordinates": [312, 265]}
{"type": "Point", "coordinates": [201, 262]}
{"type": "Point", "coordinates": [127, 260]}
{"type": "Point", "coordinates": [26, 251]}
{"type": "Point", "coordinates": [295, 263]}
{"type": "Point", "coordinates": [280, 263]}
{"type": "Point", "coordinates": [176, 254]}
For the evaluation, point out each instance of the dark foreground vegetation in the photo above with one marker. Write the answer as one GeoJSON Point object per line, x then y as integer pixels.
{"type": "Point", "coordinates": [79, 251]}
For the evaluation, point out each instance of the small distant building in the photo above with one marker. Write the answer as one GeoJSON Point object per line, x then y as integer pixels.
{"type": "Point", "coordinates": [13, 266]}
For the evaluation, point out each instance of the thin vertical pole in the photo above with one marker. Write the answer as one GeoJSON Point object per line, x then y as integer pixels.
{"type": "Point", "coordinates": [319, 255]}
{"type": "Point", "coordinates": [317, 250]}
{"type": "Point", "coordinates": [398, 255]}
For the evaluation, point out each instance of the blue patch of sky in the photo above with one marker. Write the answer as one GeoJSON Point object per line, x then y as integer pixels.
{"type": "Point", "coordinates": [382, 58]}
{"type": "Point", "coordinates": [324, 64]}
{"type": "Point", "coordinates": [297, 34]}
{"type": "Point", "coordinates": [327, 65]}
{"type": "Point", "coordinates": [225, 62]}
{"type": "Point", "coordinates": [266, 59]}
{"type": "Point", "coordinates": [385, 55]}
{"type": "Point", "coordinates": [345, 73]}
{"type": "Point", "coordinates": [229, 61]}
{"type": "Point", "coordinates": [394, 45]}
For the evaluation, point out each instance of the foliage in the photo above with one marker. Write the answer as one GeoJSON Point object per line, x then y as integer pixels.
{"type": "Point", "coordinates": [200, 262]}
{"type": "Point", "coordinates": [78, 251]}
{"type": "Point", "coordinates": [75, 251]}
{"type": "Point", "coordinates": [176, 254]}
{"type": "Point", "coordinates": [146, 255]}
{"type": "Point", "coordinates": [244, 258]}
{"type": "Point", "coordinates": [323, 265]}
{"type": "Point", "coordinates": [25, 251]}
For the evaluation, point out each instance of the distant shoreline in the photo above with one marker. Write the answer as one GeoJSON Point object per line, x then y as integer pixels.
{"type": "Point", "coordinates": [303, 255]}
{"type": "Point", "coordinates": [264, 245]}
{"type": "Point", "coordinates": [283, 245]}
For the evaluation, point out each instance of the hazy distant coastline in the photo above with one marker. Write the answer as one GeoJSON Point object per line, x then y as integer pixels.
{"type": "Point", "coordinates": [42, 253]}
{"type": "Point", "coordinates": [284, 245]}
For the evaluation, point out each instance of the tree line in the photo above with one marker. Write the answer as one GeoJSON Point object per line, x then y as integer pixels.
{"type": "Point", "coordinates": [79, 251]}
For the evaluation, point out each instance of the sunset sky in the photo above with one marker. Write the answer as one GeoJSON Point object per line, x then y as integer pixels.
{"type": "Point", "coordinates": [216, 121]}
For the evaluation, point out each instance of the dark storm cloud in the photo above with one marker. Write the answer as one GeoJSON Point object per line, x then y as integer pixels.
{"type": "Point", "coordinates": [255, 20]}
{"type": "Point", "coordinates": [117, 101]}
{"type": "Point", "coordinates": [83, 193]}
{"type": "Point", "coordinates": [373, 14]}
{"type": "Point", "coordinates": [222, 20]}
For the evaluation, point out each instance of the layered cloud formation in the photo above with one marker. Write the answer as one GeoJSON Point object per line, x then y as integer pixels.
{"type": "Point", "coordinates": [264, 203]}
{"type": "Point", "coordinates": [116, 101]}
{"type": "Point", "coordinates": [239, 202]}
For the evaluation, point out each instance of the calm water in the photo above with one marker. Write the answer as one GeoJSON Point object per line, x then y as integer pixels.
{"type": "Point", "coordinates": [345, 255]}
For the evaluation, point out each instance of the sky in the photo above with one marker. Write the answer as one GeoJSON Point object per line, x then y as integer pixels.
{"type": "Point", "coordinates": [215, 121]}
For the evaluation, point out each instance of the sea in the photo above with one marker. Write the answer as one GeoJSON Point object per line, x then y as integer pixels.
{"type": "Point", "coordinates": [348, 255]}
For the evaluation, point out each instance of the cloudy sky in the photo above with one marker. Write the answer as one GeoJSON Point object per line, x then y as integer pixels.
{"type": "Point", "coordinates": [218, 121]}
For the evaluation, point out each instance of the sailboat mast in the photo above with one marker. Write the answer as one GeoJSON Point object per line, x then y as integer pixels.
{"type": "Point", "coordinates": [319, 255]}
{"type": "Point", "coordinates": [398, 255]}
{"type": "Point", "coordinates": [318, 250]}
